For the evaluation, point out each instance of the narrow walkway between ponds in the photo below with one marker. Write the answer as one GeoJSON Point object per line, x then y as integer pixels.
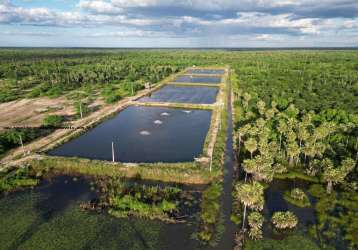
{"type": "Point", "coordinates": [227, 240]}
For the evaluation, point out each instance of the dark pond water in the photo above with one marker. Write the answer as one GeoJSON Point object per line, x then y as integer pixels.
{"type": "Point", "coordinates": [183, 94]}
{"type": "Point", "coordinates": [143, 134]}
{"type": "Point", "coordinates": [275, 202]}
{"type": "Point", "coordinates": [206, 71]}
{"type": "Point", "coordinates": [49, 217]}
{"type": "Point", "coordinates": [198, 79]}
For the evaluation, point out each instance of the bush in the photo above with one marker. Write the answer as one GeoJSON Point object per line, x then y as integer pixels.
{"type": "Point", "coordinates": [297, 197]}
{"type": "Point", "coordinates": [15, 179]}
{"type": "Point", "coordinates": [255, 222]}
{"type": "Point", "coordinates": [110, 94]}
{"type": "Point", "coordinates": [284, 220]}
{"type": "Point", "coordinates": [53, 120]}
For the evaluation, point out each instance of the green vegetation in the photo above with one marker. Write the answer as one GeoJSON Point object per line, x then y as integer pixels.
{"type": "Point", "coordinates": [284, 220]}
{"type": "Point", "coordinates": [57, 225]}
{"type": "Point", "coordinates": [14, 179]}
{"type": "Point", "coordinates": [296, 117]}
{"type": "Point", "coordinates": [255, 222]}
{"type": "Point", "coordinates": [54, 73]}
{"type": "Point", "coordinates": [187, 173]}
{"type": "Point", "coordinates": [210, 219]}
{"type": "Point", "coordinates": [53, 121]}
{"type": "Point", "coordinates": [126, 199]}
{"type": "Point", "coordinates": [252, 196]}
{"type": "Point", "coordinates": [325, 82]}
{"type": "Point", "coordinates": [295, 242]}
{"type": "Point", "coordinates": [82, 109]}
{"type": "Point", "coordinates": [337, 217]}
{"type": "Point", "coordinates": [297, 197]}
{"type": "Point", "coordinates": [210, 215]}
{"type": "Point", "coordinates": [12, 138]}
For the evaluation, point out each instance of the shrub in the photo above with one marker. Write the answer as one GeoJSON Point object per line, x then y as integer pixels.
{"type": "Point", "coordinates": [284, 220]}
{"type": "Point", "coordinates": [297, 197]}
{"type": "Point", "coordinates": [53, 120]}
{"type": "Point", "coordinates": [255, 222]}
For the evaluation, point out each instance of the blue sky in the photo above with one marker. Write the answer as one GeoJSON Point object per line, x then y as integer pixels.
{"type": "Point", "coordinates": [179, 23]}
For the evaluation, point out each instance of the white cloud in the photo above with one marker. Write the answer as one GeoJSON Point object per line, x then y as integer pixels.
{"type": "Point", "coordinates": [27, 33]}
{"type": "Point", "coordinates": [261, 20]}
{"type": "Point", "coordinates": [100, 7]}
{"type": "Point", "coordinates": [268, 37]}
{"type": "Point", "coordinates": [125, 33]}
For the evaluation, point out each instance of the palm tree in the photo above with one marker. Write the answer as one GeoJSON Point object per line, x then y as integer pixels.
{"type": "Point", "coordinates": [261, 107]}
{"type": "Point", "coordinates": [302, 133]}
{"type": "Point", "coordinates": [282, 129]}
{"type": "Point", "coordinates": [260, 167]}
{"type": "Point", "coordinates": [283, 220]}
{"type": "Point", "coordinates": [251, 145]}
{"type": "Point", "coordinates": [245, 102]}
{"type": "Point", "coordinates": [251, 195]}
{"type": "Point", "coordinates": [255, 220]}
{"type": "Point", "coordinates": [292, 148]}
{"type": "Point", "coordinates": [334, 175]}
{"type": "Point", "coordinates": [244, 130]}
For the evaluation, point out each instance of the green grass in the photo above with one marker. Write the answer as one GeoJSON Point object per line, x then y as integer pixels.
{"type": "Point", "coordinates": [297, 203]}
{"type": "Point", "coordinates": [14, 179]}
{"type": "Point", "coordinates": [188, 173]}
{"type": "Point", "coordinates": [292, 174]}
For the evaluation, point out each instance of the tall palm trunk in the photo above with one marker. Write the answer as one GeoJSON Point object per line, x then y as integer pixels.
{"type": "Point", "coordinates": [243, 220]}
{"type": "Point", "coordinates": [329, 187]}
{"type": "Point", "coordinates": [279, 149]}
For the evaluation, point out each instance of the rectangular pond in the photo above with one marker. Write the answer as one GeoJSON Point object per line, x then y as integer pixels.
{"type": "Point", "coordinates": [143, 134]}
{"type": "Point", "coordinates": [206, 71]}
{"type": "Point", "coordinates": [198, 79]}
{"type": "Point", "coordinates": [183, 94]}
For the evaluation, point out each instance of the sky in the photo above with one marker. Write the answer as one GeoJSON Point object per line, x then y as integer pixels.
{"type": "Point", "coordinates": [179, 23]}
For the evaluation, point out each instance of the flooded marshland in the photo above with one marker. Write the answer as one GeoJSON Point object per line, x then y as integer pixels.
{"type": "Point", "coordinates": [275, 202]}
{"type": "Point", "coordinates": [183, 94]}
{"type": "Point", "coordinates": [143, 134]}
{"type": "Point", "coordinates": [49, 217]}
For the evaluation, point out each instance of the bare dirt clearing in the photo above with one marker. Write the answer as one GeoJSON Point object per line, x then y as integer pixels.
{"type": "Point", "coordinates": [31, 112]}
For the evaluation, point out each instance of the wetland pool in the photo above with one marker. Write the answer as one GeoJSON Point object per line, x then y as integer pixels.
{"type": "Point", "coordinates": [143, 134]}
{"type": "Point", "coordinates": [49, 217]}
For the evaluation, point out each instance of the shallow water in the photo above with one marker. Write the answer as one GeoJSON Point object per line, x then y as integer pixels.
{"type": "Point", "coordinates": [139, 137]}
{"type": "Point", "coordinates": [275, 202]}
{"type": "Point", "coordinates": [206, 71]}
{"type": "Point", "coordinates": [198, 79]}
{"type": "Point", "coordinates": [49, 217]}
{"type": "Point", "coordinates": [183, 94]}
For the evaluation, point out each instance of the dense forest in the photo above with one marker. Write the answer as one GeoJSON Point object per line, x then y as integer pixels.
{"type": "Point", "coordinates": [297, 122]}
